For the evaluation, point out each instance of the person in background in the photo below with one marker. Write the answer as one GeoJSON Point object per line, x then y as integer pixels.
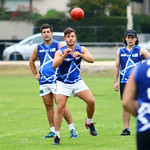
{"type": "Point", "coordinates": [47, 77]}
{"type": "Point", "coordinates": [68, 59]}
{"type": "Point", "coordinates": [127, 57]}
{"type": "Point", "coordinates": [136, 100]}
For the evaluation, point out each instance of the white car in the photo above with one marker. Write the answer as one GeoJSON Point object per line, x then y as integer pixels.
{"type": "Point", "coordinates": [145, 45]}
{"type": "Point", "coordinates": [24, 49]}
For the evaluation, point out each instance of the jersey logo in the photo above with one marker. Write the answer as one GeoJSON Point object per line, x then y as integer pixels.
{"type": "Point", "coordinates": [135, 55]}
{"type": "Point", "coordinates": [52, 50]}
{"type": "Point", "coordinates": [42, 50]}
{"type": "Point", "coordinates": [123, 55]}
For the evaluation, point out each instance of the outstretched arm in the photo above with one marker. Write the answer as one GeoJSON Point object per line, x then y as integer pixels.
{"type": "Point", "coordinates": [85, 54]}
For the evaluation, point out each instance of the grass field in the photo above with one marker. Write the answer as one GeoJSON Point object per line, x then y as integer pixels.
{"type": "Point", "coordinates": [23, 121]}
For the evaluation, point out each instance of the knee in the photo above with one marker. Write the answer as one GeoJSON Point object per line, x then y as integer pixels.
{"type": "Point", "coordinates": [92, 102]}
{"type": "Point", "coordinates": [60, 109]}
{"type": "Point", "coordinates": [49, 106]}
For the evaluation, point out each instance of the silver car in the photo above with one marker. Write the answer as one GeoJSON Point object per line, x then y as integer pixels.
{"type": "Point", "coordinates": [24, 49]}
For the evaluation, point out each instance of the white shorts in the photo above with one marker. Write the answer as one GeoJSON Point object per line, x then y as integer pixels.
{"type": "Point", "coordinates": [47, 88]}
{"type": "Point", "coordinates": [67, 89]}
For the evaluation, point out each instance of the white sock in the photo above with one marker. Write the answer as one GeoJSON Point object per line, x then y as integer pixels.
{"type": "Point", "coordinates": [57, 133]}
{"type": "Point", "coordinates": [89, 120]}
{"type": "Point", "coordinates": [71, 126]}
{"type": "Point", "coordinates": [52, 129]}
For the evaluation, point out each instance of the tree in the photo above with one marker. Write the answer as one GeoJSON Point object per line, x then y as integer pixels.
{"type": "Point", "coordinates": [98, 8]}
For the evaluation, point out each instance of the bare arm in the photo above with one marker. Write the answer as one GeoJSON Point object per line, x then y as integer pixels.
{"type": "Point", "coordinates": [32, 63]}
{"type": "Point", "coordinates": [61, 45]}
{"type": "Point", "coordinates": [85, 54]}
{"type": "Point", "coordinates": [144, 53]}
{"type": "Point", "coordinates": [129, 95]}
{"type": "Point", "coordinates": [59, 57]}
{"type": "Point", "coordinates": [116, 72]}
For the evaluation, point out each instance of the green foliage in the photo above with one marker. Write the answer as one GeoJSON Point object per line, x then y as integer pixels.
{"type": "Point", "coordinates": [141, 23]}
{"type": "Point", "coordinates": [89, 29]}
{"type": "Point", "coordinates": [100, 7]}
{"type": "Point", "coordinates": [52, 13]}
{"type": "Point", "coordinates": [118, 7]}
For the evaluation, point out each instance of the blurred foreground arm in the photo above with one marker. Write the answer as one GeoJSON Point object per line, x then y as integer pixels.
{"type": "Point", "coordinates": [129, 101]}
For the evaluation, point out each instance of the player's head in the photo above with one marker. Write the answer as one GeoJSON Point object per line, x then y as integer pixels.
{"type": "Point", "coordinates": [70, 36]}
{"type": "Point", "coordinates": [68, 31]}
{"type": "Point", "coordinates": [47, 32]}
{"type": "Point", "coordinates": [131, 34]}
{"type": "Point", "coordinates": [45, 26]}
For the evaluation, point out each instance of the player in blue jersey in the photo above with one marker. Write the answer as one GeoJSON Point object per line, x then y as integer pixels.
{"type": "Point", "coordinates": [127, 57]}
{"type": "Point", "coordinates": [136, 100]}
{"type": "Point", "coordinates": [47, 77]}
{"type": "Point", "coordinates": [68, 59]}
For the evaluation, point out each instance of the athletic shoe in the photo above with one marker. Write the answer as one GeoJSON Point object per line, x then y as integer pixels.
{"type": "Point", "coordinates": [56, 141]}
{"type": "Point", "coordinates": [125, 132]}
{"type": "Point", "coordinates": [73, 133]}
{"type": "Point", "coordinates": [50, 135]}
{"type": "Point", "coordinates": [91, 128]}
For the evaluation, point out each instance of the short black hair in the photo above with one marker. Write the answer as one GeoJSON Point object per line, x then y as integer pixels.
{"type": "Point", "coordinates": [44, 26]}
{"type": "Point", "coordinates": [69, 30]}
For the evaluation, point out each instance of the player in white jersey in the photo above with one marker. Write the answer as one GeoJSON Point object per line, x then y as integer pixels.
{"type": "Point", "coordinates": [47, 77]}
{"type": "Point", "coordinates": [68, 59]}
{"type": "Point", "coordinates": [127, 57]}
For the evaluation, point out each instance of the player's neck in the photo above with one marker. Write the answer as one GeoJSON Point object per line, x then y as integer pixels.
{"type": "Point", "coordinates": [72, 47]}
{"type": "Point", "coordinates": [47, 43]}
{"type": "Point", "coordinates": [129, 47]}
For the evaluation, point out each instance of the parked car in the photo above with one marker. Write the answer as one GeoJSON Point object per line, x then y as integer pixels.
{"type": "Point", "coordinates": [24, 49]}
{"type": "Point", "coordinates": [145, 45]}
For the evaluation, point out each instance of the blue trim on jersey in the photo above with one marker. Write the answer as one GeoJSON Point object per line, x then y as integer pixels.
{"type": "Point", "coordinates": [69, 70]}
{"type": "Point", "coordinates": [142, 80]}
{"type": "Point", "coordinates": [128, 60]}
{"type": "Point", "coordinates": [46, 55]}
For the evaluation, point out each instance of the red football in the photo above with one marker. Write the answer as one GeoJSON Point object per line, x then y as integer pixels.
{"type": "Point", "coordinates": [77, 14]}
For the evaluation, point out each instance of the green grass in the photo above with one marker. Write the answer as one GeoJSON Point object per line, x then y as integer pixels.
{"type": "Point", "coordinates": [23, 121]}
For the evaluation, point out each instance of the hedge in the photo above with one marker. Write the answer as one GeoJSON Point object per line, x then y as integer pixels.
{"type": "Point", "coordinates": [103, 29]}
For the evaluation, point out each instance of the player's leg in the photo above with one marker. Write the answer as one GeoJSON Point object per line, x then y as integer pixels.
{"type": "Point", "coordinates": [67, 116]}
{"type": "Point", "coordinates": [49, 105]}
{"type": "Point", "coordinates": [61, 104]}
{"type": "Point", "coordinates": [88, 97]}
{"type": "Point", "coordinates": [126, 120]}
{"type": "Point", "coordinates": [125, 114]}
{"type": "Point", "coordinates": [47, 97]}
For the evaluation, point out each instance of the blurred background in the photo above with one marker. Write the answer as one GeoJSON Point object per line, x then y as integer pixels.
{"type": "Point", "coordinates": [101, 30]}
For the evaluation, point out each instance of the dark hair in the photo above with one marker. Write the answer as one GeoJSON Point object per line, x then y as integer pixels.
{"type": "Point", "coordinates": [69, 30]}
{"type": "Point", "coordinates": [125, 42]}
{"type": "Point", "coordinates": [44, 26]}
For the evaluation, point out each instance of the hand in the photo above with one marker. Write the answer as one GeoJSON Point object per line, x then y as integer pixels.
{"type": "Point", "coordinates": [116, 87]}
{"type": "Point", "coordinates": [67, 51]}
{"type": "Point", "coordinates": [76, 54]}
{"type": "Point", "coordinates": [37, 76]}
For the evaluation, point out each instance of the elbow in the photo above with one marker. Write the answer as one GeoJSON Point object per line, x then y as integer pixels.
{"type": "Point", "coordinates": [91, 61]}
{"type": "Point", "coordinates": [54, 65]}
